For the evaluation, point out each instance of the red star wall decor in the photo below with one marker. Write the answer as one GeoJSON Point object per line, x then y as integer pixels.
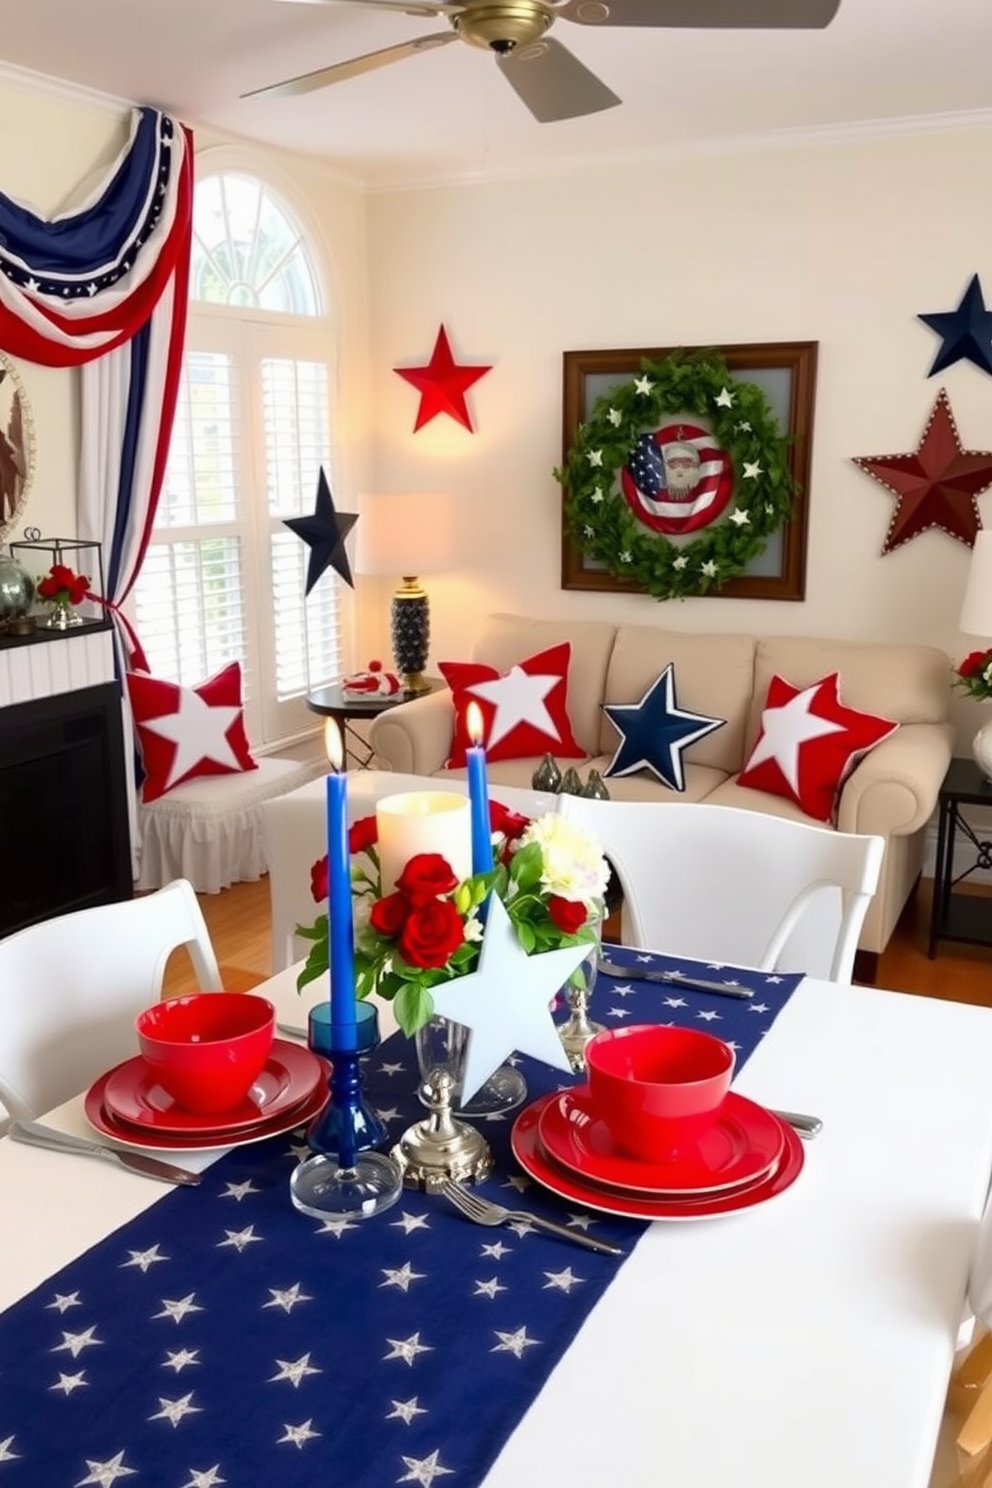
{"type": "Point", "coordinates": [442, 384]}
{"type": "Point", "coordinates": [935, 487]}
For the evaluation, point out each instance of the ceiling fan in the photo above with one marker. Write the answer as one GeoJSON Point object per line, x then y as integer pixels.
{"type": "Point", "coordinates": [547, 77]}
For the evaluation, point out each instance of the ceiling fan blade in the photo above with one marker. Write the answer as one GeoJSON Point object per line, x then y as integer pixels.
{"type": "Point", "coordinates": [553, 83]}
{"type": "Point", "coordinates": [741, 15]}
{"type": "Point", "coordinates": [401, 7]}
{"type": "Point", "coordinates": [323, 77]}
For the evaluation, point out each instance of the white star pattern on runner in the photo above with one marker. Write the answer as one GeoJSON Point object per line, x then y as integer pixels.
{"type": "Point", "coordinates": [178, 1309]}
{"type": "Point", "coordinates": [174, 1410]}
{"type": "Point", "coordinates": [563, 1281]}
{"type": "Point", "coordinates": [178, 1359]}
{"type": "Point", "coordinates": [239, 1238]}
{"type": "Point", "coordinates": [6, 1454]}
{"type": "Point", "coordinates": [518, 698]}
{"type": "Point", "coordinates": [620, 1012]}
{"type": "Point", "coordinates": [424, 1470]}
{"type": "Point", "coordinates": [513, 1343]}
{"type": "Point", "coordinates": [294, 1370]}
{"type": "Point", "coordinates": [407, 1349]}
{"type": "Point", "coordinates": [758, 1007]}
{"type": "Point", "coordinates": [497, 1250]}
{"type": "Point", "coordinates": [408, 1222]}
{"type": "Point", "coordinates": [65, 1300]}
{"type": "Point", "coordinates": [405, 1410]}
{"type": "Point", "coordinates": [288, 1297]}
{"type": "Point", "coordinates": [402, 1278]}
{"type": "Point", "coordinates": [387, 1113]}
{"type": "Point", "coordinates": [106, 1473]}
{"type": "Point", "coordinates": [505, 1001]}
{"type": "Point", "coordinates": [74, 1343]}
{"type": "Point", "coordinates": [579, 1221]}
{"type": "Point", "coordinates": [299, 1435]}
{"type": "Point", "coordinates": [786, 729]}
{"type": "Point", "coordinates": [69, 1382]}
{"type": "Point", "coordinates": [143, 1258]}
{"type": "Point", "coordinates": [518, 1181]}
{"type": "Point", "coordinates": [708, 1015]}
{"type": "Point", "coordinates": [238, 1191]}
{"type": "Point", "coordinates": [675, 1002]}
{"type": "Point", "coordinates": [391, 1069]}
{"type": "Point", "coordinates": [773, 981]}
{"type": "Point", "coordinates": [489, 1288]}
{"type": "Point", "coordinates": [210, 1477]}
{"type": "Point", "coordinates": [198, 732]}
{"type": "Point", "coordinates": [336, 1227]}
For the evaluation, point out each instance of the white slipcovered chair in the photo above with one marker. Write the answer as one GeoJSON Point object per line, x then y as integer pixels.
{"type": "Point", "coordinates": [70, 988]}
{"type": "Point", "coordinates": [717, 883]}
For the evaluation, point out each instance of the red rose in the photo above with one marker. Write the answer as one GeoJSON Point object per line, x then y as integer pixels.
{"type": "Point", "coordinates": [973, 662]}
{"type": "Point", "coordinates": [318, 880]}
{"type": "Point", "coordinates": [432, 932]}
{"type": "Point", "coordinates": [363, 835]}
{"type": "Point", "coordinates": [509, 823]}
{"type": "Point", "coordinates": [425, 877]}
{"type": "Point", "coordinates": [389, 915]}
{"type": "Point", "coordinates": [568, 914]}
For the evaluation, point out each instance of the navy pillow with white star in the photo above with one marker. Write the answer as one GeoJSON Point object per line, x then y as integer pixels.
{"type": "Point", "coordinates": [656, 732]}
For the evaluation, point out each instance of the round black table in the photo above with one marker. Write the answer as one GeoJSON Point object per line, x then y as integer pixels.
{"type": "Point", "coordinates": [334, 702]}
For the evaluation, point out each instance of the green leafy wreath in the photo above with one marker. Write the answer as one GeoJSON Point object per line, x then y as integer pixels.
{"type": "Point", "coordinates": [602, 524]}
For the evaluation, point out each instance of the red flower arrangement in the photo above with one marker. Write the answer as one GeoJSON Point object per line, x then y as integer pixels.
{"type": "Point", "coordinates": [62, 586]}
{"type": "Point", "coordinates": [549, 874]}
{"type": "Point", "coordinates": [974, 675]}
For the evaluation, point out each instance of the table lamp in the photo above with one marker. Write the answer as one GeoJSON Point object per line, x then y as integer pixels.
{"type": "Point", "coordinates": [407, 534]}
{"type": "Point", "coordinates": [976, 619]}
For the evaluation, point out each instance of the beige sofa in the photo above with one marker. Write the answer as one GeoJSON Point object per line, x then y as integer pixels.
{"type": "Point", "coordinates": [892, 792]}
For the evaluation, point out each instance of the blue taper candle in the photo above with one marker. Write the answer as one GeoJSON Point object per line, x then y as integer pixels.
{"type": "Point", "coordinates": [478, 793]}
{"type": "Point", "coordinates": [344, 1032]}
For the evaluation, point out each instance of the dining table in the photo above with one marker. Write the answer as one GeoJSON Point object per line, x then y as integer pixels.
{"type": "Point", "coordinates": [807, 1340]}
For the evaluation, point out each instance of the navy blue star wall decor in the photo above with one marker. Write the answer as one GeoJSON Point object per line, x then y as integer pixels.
{"type": "Point", "coordinates": [656, 732]}
{"type": "Point", "coordinates": [324, 533]}
{"type": "Point", "coordinates": [966, 333]}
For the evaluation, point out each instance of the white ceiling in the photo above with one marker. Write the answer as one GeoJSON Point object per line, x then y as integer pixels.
{"type": "Point", "coordinates": [449, 113]}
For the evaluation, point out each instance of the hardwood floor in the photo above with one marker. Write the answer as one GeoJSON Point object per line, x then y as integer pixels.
{"type": "Point", "coordinates": [239, 925]}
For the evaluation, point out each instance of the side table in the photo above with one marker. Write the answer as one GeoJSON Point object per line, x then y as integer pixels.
{"type": "Point", "coordinates": [956, 916]}
{"type": "Point", "coordinates": [334, 702]}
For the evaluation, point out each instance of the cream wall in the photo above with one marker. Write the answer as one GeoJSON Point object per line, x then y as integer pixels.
{"type": "Point", "coordinates": [843, 243]}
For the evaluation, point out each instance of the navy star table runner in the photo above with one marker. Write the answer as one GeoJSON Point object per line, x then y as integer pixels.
{"type": "Point", "coordinates": [224, 1340]}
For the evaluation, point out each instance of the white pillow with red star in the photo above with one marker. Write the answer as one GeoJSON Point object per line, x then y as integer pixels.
{"type": "Point", "coordinates": [524, 710]}
{"type": "Point", "coordinates": [809, 744]}
{"type": "Point", "coordinates": [186, 732]}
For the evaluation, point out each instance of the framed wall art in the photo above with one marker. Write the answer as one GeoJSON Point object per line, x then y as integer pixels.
{"type": "Point", "coordinates": [748, 410]}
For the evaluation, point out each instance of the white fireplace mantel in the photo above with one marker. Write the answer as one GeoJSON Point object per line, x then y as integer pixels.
{"type": "Point", "coordinates": [57, 664]}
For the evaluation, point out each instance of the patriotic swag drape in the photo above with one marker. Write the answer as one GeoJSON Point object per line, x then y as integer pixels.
{"type": "Point", "coordinates": [105, 284]}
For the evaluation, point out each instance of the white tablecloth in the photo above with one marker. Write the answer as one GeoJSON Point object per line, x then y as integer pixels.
{"type": "Point", "coordinates": [807, 1342]}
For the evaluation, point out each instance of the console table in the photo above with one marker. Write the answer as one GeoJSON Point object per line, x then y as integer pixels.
{"type": "Point", "coordinates": [953, 915]}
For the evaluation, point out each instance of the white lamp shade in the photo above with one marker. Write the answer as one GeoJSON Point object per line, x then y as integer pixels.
{"type": "Point", "coordinates": [405, 533]}
{"type": "Point", "coordinates": [976, 611]}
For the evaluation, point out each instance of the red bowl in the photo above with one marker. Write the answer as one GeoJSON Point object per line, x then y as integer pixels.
{"type": "Point", "coordinates": [657, 1089]}
{"type": "Point", "coordinates": [207, 1049]}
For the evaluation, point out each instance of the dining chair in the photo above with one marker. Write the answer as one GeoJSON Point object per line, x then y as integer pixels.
{"type": "Point", "coordinates": [964, 1452]}
{"type": "Point", "coordinates": [717, 883]}
{"type": "Point", "coordinates": [70, 988]}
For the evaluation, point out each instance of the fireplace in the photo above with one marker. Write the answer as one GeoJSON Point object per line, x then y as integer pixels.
{"type": "Point", "coordinates": [64, 837]}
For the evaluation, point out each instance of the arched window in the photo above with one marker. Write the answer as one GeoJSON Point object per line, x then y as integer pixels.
{"type": "Point", "coordinates": [224, 579]}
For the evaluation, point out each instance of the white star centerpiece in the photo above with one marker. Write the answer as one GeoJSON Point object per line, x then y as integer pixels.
{"type": "Point", "coordinates": [506, 1001]}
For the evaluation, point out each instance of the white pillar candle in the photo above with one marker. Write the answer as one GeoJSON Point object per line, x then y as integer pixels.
{"type": "Point", "coordinates": [423, 822]}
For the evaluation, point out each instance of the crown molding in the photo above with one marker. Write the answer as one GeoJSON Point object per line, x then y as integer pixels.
{"type": "Point", "coordinates": [62, 92]}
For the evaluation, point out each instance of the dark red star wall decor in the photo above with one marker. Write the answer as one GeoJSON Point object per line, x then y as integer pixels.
{"type": "Point", "coordinates": [937, 486]}
{"type": "Point", "coordinates": [442, 384]}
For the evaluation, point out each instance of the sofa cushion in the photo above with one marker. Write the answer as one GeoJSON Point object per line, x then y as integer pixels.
{"type": "Point", "coordinates": [809, 743]}
{"type": "Point", "coordinates": [524, 710]}
{"type": "Point", "coordinates": [655, 733]}
{"type": "Point", "coordinates": [505, 639]}
{"type": "Point", "coordinates": [909, 684]}
{"type": "Point", "coordinates": [186, 732]}
{"type": "Point", "coordinates": [715, 676]}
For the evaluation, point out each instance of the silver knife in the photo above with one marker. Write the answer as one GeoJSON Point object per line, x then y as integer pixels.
{"type": "Point", "coordinates": [36, 1134]}
{"type": "Point", "coordinates": [672, 979]}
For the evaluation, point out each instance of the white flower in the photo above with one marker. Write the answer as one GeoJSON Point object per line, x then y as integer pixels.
{"type": "Point", "coordinates": [473, 928]}
{"type": "Point", "coordinates": [987, 675]}
{"type": "Point", "coordinates": [573, 865]}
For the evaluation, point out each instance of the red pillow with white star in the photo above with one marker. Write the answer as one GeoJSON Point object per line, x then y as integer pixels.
{"type": "Point", "coordinates": [186, 732]}
{"type": "Point", "coordinates": [809, 744]}
{"type": "Point", "coordinates": [524, 710]}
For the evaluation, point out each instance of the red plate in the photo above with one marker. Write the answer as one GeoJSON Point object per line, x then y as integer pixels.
{"type": "Point", "coordinates": [743, 1146]}
{"type": "Point", "coordinates": [132, 1094]}
{"type": "Point", "coordinates": [104, 1122]}
{"type": "Point", "coordinates": [527, 1149]}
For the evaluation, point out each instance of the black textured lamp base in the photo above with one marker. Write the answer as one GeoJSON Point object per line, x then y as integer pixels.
{"type": "Point", "coordinates": [411, 632]}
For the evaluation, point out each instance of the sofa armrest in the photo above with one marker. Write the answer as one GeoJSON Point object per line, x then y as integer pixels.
{"type": "Point", "coordinates": [893, 792]}
{"type": "Point", "coordinates": [415, 738]}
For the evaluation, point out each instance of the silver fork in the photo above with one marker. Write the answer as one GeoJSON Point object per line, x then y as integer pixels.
{"type": "Point", "coordinates": [485, 1212]}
